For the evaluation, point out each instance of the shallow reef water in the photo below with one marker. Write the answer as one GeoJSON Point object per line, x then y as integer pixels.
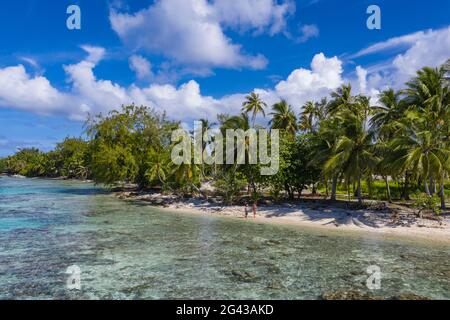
{"type": "Point", "coordinates": [129, 250]}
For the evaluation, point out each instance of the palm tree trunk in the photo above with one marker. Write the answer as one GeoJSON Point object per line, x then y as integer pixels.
{"type": "Point", "coordinates": [405, 192]}
{"type": "Point", "coordinates": [432, 187]}
{"type": "Point", "coordinates": [427, 190]}
{"type": "Point", "coordinates": [333, 188]}
{"type": "Point", "coordinates": [348, 193]}
{"type": "Point", "coordinates": [442, 192]}
{"type": "Point", "coordinates": [388, 189]}
{"type": "Point", "coordinates": [289, 191]}
{"type": "Point", "coordinates": [358, 190]}
{"type": "Point", "coordinates": [442, 195]}
{"type": "Point", "coordinates": [299, 191]}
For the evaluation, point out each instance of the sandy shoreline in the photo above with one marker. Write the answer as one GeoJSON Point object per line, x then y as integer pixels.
{"type": "Point", "coordinates": [325, 216]}
{"type": "Point", "coordinates": [319, 215]}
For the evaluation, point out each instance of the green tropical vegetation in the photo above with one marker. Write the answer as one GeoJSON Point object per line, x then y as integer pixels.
{"type": "Point", "coordinates": [340, 146]}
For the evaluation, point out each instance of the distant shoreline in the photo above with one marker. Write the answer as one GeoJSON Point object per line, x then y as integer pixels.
{"type": "Point", "coordinates": [18, 176]}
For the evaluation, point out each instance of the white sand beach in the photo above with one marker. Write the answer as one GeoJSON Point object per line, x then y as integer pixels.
{"type": "Point", "coordinates": [395, 221]}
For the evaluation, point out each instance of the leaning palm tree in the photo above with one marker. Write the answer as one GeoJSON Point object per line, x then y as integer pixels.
{"type": "Point", "coordinates": [283, 117]}
{"type": "Point", "coordinates": [255, 105]}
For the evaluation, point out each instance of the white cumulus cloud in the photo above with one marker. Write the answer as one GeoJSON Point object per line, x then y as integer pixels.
{"type": "Point", "coordinates": [308, 31]}
{"type": "Point", "coordinates": [141, 66]}
{"type": "Point", "coordinates": [190, 33]}
{"type": "Point", "coordinates": [20, 90]}
{"type": "Point", "coordinates": [259, 15]}
{"type": "Point", "coordinates": [425, 48]}
{"type": "Point", "coordinates": [302, 84]}
{"type": "Point", "coordinates": [89, 94]}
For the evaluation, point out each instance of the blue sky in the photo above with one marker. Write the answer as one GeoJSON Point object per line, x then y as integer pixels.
{"type": "Point", "coordinates": [197, 58]}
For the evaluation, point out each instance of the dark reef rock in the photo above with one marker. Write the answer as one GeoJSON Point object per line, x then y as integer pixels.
{"type": "Point", "coordinates": [244, 276]}
{"type": "Point", "coordinates": [274, 285]}
{"type": "Point", "coordinates": [352, 294]}
{"type": "Point", "coordinates": [253, 247]}
{"type": "Point", "coordinates": [409, 296]}
{"type": "Point", "coordinates": [349, 294]}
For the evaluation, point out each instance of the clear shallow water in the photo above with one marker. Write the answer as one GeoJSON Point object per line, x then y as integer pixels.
{"type": "Point", "coordinates": [131, 251]}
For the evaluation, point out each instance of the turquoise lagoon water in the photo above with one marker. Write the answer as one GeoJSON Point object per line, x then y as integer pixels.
{"type": "Point", "coordinates": [128, 250]}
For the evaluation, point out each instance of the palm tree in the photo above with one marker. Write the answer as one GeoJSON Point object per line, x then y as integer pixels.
{"type": "Point", "coordinates": [391, 109]}
{"type": "Point", "coordinates": [421, 154]}
{"type": "Point", "coordinates": [236, 122]}
{"type": "Point", "coordinates": [312, 114]}
{"type": "Point", "coordinates": [241, 122]}
{"type": "Point", "coordinates": [206, 125]}
{"type": "Point", "coordinates": [307, 116]}
{"type": "Point", "coordinates": [383, 124]}
{"type": "Point", "coordinates": [332, 128]}
{"type": "Point", "coordinates": [254, 104]}
{"type": "Point", "coordinates": [353, 152]}
{"type": "Point", "coordinates": [321, 109]}
{"type": "Point", "coordinates": [187, 175]}
{"type": "Point", "coordinates": [342, 100]}
{"type": "Point", "coordinates": [428, 95]}
{"type": "Point", "coordinates": [157, 163]}
{"type": "Point", "coordinates": [283, 117]}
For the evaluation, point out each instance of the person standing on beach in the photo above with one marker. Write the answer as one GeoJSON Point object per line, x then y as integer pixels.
{"type": "Point", "coordinates": [246, 210]}
{"type": "Point", "coordinates": [254, 210]}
